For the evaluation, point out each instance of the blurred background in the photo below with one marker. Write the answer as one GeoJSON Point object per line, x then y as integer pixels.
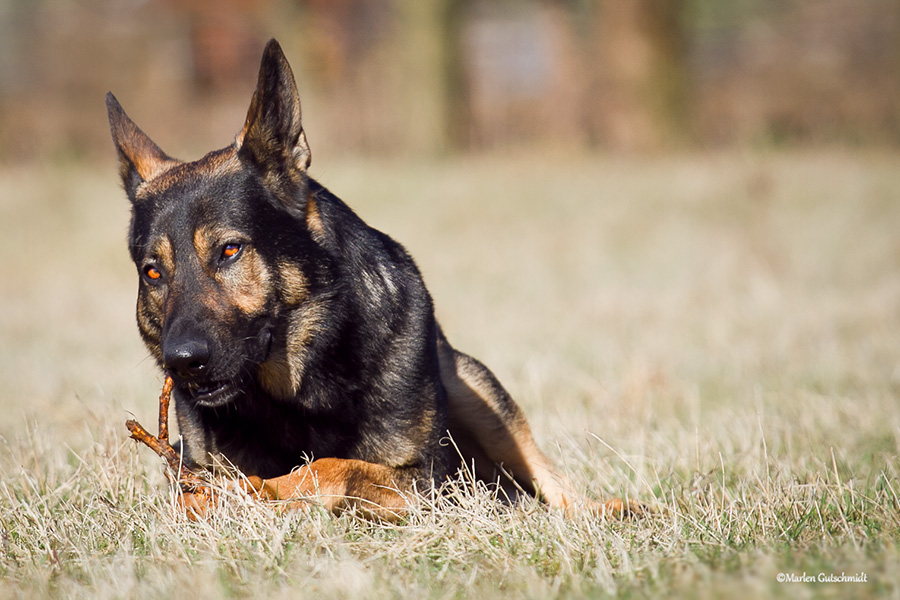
{"type": "Point", "coordinates": [408, 77]}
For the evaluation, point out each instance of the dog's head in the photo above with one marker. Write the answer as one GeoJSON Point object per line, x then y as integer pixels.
{"type": "Point", "coordinates": [210, 239]}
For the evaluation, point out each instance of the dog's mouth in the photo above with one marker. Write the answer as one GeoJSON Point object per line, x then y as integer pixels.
{"type": "Point", "coordinates": [219, 387]}
{"type": "Point", "coordinates": [212, 393]}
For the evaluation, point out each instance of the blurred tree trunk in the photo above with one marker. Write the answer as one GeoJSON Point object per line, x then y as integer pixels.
{"type": "Point", "coordinates": [640, 73]}
{"type": "Point", "coordinates": [428, 41]}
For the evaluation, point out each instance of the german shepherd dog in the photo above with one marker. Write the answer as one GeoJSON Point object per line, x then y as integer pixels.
{"type": "Point", "coordinates": [294, 331]}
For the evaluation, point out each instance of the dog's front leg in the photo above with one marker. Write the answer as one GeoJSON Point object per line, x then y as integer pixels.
{"type": "Point", "coordinates": [339, 484]}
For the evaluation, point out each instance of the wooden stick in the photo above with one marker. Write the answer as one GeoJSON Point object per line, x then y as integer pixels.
{"type": "Point", "coordinates": [164, 399]}
{"type": "Point", "coordinates": [187, 479]}
{"type": "Point", "coordinates": [156, 444]}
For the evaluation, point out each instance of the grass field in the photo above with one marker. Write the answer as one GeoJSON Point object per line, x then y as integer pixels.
{"type": "Point", "coordinates": [716, 335]}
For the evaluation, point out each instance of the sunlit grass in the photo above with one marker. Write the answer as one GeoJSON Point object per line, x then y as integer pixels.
{"type": "Point", "coordinates": [716, 335]}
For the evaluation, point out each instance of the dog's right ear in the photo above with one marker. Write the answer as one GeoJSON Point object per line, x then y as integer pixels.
{"type": "Point", "coordinates": [140, 159]}
{"type": "Point", "coordinates": [273, 136]}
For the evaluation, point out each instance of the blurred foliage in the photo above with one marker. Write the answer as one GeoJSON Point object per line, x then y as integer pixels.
{"type": "Point", "coordinates": [412, 77]}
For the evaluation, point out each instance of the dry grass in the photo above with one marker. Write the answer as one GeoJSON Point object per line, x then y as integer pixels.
{"type": "Point", "coordinates": [717, 333]}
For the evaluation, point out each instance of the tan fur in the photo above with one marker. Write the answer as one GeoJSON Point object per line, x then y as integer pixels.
{"type": "Point", "coordinates": [217, 163]}
{"type": "Point", "coordinates": [282, 374]}
{"type": "Point", "coordinates": [248, 283]}
{"type": "Point", "coordinates": [151, 302]}
{"type": "Point", "coordinates": [245, 285]}
{"type": "Point", "coordinates": [136, 150]}
{"type": "Point", "coordinates": [208, 240]}
{"type": "Point", "coordinates": [149, 328]}
{"type": "Point", "coordinates": [493, 431]}
{"type": "Point", "coordinates": [164, 252]}
{"type": "Point", "coordinates": [339, 484]}
{"type": "Point", "coordinates": [490, 431]}
{"type": "Point", "coordinates": [314, 219]}
{"type": "Point", "coordinates": [292, 284]}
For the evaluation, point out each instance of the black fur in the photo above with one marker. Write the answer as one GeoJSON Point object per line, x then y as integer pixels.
{"type": "Point", "coordinates": [294, 331]}
{"type": "Point", "coordinates": [370, 387]}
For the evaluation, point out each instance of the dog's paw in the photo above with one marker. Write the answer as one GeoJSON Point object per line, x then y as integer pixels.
{"type": "Point", "coordinates": [199, 504]}
{"type": "Point", "coordinates": [196, 505]}
{"type": "Point", "coordinates": [623, 509]}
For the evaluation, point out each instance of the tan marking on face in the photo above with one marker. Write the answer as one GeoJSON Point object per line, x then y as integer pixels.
{"type": "Point", "coordinates": [203, 242]}
{"type": "Point", "coordinates": [282, 374]}
{"type": "Point", "coordinates": [151, 299]}
{"type": "Point", "coordinates": [163, 251]}
{"type": "Point", "coordinates": [162, 181]}
{"type": "Point", "coordinates": [208, 242]}
{"type": "Point", "coordinates": [148, 319]}
{"type": "Point", "coordinates": [162, 174]}
{"type": "Point", "coordinates": [247, 283]}
{"type": "Point", "coordinates": [213, 297]}
{"type": "Point", "coordinates": [215, 164]}
{"type": "Point", "coordinates": [294, 288]}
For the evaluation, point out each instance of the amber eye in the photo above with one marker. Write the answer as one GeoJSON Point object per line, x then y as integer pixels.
{"type": "Point", "coordinates": [230, 250]}
{"type": "Point", "coordinates": [151, 272]}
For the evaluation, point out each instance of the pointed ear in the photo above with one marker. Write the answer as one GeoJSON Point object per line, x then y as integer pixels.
{"type": "Point", "coordinates": [273, 136]}
{"type": "Point", "coordinates": [140, 159]}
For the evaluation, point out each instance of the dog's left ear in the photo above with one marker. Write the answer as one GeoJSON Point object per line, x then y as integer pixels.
{"type": "Point", "coordinates": [273, 136]}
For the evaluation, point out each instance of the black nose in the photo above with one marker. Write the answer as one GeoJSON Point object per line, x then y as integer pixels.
{"type": "Point", "coordinates": [188, 358]}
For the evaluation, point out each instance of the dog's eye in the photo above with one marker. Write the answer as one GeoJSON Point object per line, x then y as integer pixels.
{"type": "Point", "coordinates": [230, 251]}
{"type": "Point", "coordinates": [152, 273]}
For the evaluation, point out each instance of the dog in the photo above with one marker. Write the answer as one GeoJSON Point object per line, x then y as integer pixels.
{"type": "Point", "coordinates": [294, 331]}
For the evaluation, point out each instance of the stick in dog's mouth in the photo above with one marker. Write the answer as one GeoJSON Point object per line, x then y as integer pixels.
{"type": "Point", "coordinates": [189, 481]}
